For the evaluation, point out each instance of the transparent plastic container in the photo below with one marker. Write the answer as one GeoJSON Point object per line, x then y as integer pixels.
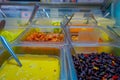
{"type": "Point", "coordinates": [42, 34]}
{"type": "Point", "coordinates": [86, 50]}
{"type": "Point", "coordinates": [11, 33]}
{"type": "Point", "coordinates": [13, 28]}
{"type": "Point", "coordinates": [47, 21]}
{"type": "Point", "coordinates": [82, 19]}
{"type": "Point", "coordinates": [104, 22]}
{"type": "Point", "coordinates": [86, 36]}
{"type": "Point", "coordinates": [16, 22]}
{"type": "Point", "coordinates": [90, 34]}
{"type": "Point", "coordinates": [30, 55]}
{"type": "Point", "coordinates": [117, 30]}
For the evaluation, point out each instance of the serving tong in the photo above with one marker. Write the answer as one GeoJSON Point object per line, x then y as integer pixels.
{"type": "Point", "coordinates": [90, 15]}
{"type": "Point", "coordinates": [36, 7]}
{"type": "Point", "coordinates": [87, 16]}
{"type": "Point", "coordinates": [63, 26]}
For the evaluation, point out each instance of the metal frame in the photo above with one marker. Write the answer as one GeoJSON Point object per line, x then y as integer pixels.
{"type": "Point", "coordinates": [82, 6]}
{"type": "Point", "coordinates": [54, 5]}
{"type": "Point", "coordinates": [37, 5]}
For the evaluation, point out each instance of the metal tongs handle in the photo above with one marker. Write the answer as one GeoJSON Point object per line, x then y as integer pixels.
{"type": "Point", "coordinates": [93, 17]}
{"type": "Point", "coordinates": [8, 47]}
{"type": "Point", "coordinates": [36, 7]}
{"type": "Point", "coordinates": [63, 26]}
{"type": "Point", "coordinates": [90, 15]}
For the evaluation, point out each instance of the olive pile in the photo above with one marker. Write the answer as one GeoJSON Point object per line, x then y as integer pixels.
{"type": "Point", "coordinates": [97, 66]}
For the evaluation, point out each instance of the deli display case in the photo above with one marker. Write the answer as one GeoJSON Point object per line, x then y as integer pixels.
{"type": "Point", "coordinates": [60, 41]}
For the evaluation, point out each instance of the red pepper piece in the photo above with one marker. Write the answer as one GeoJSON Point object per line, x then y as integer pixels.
{"type": "Point", "coordinates": [96, 58]}
{"type": "Point", "coordinates": [115, 77]}
{"type": "Point", "coordinates": [86, 55]}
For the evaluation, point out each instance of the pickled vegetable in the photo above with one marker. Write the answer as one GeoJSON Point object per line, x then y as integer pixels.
{"type": "Point", "coordinates": [45, 37]}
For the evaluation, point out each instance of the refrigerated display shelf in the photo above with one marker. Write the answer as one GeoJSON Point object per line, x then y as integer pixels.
{"type": "Point", "coordinates": [61, 50]}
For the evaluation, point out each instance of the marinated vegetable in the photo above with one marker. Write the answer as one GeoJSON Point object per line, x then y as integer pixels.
{"type": "Point", "coordinates": [45, 37]}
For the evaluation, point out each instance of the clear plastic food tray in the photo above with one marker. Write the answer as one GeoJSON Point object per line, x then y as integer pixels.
{"type": "Point", "coordinates": [47, 21]}
{"type": "Point", "coordinates": [35, 51]}
{"type": "Point", "coordinates": [43, 34]}
{"type": "Point", "coordinates": [90, 34]}
{"type": "Point", "coordinates": [82, 19]}
{"type": "Point", "coordinates": [11, 33]}
{"type": "Point", "coordinates": [111, 49]}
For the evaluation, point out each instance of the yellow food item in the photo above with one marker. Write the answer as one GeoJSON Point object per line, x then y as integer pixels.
{"type": "Point", "coordinates": [56, 23]}
{"type": "Point", "coordinates": [104, 36]}
{"type": "Point", "coordinates": [107, 49]}
{"type": "Point", "coordinates": [34, 68]}
{"type": "Point", "coordinates": [105, 21]}
{"type": "Point", "coordinates": [10, 35]}
{"type": "Point", "coordinates": [74, 38]}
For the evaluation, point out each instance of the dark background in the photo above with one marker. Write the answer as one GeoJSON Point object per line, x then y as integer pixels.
{"type": "Point", "coordinates": [24, 0]}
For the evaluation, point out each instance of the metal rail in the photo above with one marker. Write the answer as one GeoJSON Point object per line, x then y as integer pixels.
{"type": "Point", "coordinates": [55, 5]}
